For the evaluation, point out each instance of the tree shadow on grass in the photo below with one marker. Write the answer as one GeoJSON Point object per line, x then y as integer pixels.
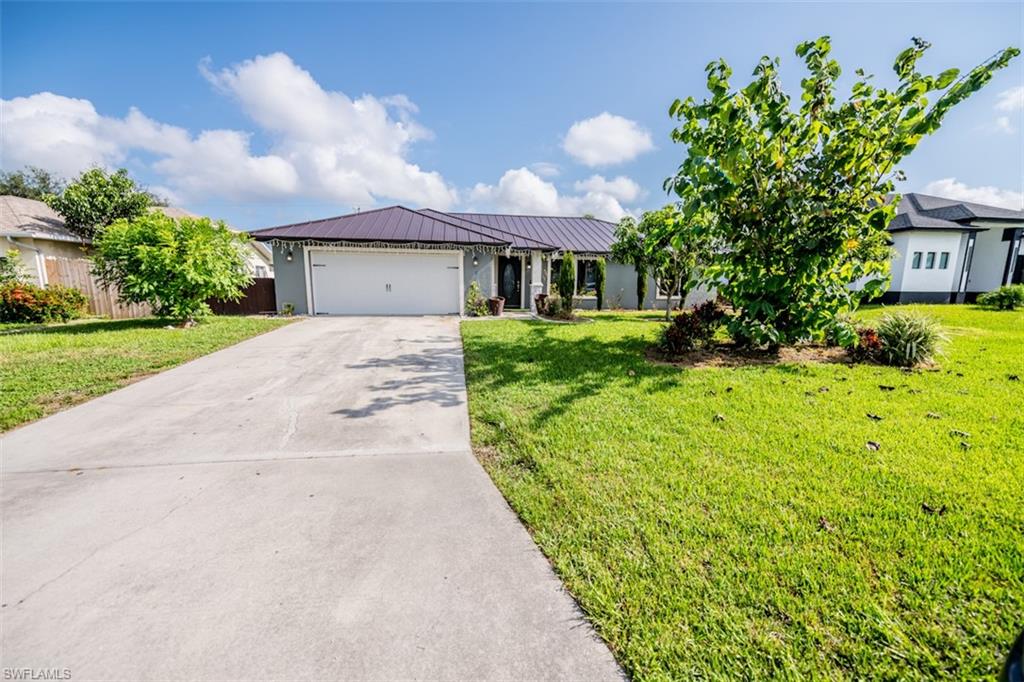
{"type": "Point", "coordinates": [92, 326]}
{"type": "Point", "coordinates": [582, 366]}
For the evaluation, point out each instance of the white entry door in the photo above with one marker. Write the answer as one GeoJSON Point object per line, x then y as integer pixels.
{"type": "Point", "coordinates": [385, 282]}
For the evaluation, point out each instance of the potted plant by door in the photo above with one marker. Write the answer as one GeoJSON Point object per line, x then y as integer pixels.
{"type": "Point", "coordinates": [497, 305]}
{"type": "Point", "coordinates": [540, 301]}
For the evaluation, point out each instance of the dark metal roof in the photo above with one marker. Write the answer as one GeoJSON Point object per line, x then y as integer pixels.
{"type": "Point", "coordinates": [925, 212]}
{"type": "Point", "coordinates": [393, 224]}
{"type": "Point", "coordinates": [518, 241]}
{"type": "Point", "coordinates": [581, 235]}
{"type": "Point", "coordinates": [952, 209]}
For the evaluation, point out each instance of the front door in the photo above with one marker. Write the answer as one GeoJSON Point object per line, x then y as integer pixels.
{"type": "Point", "coordinates": [510, 280]}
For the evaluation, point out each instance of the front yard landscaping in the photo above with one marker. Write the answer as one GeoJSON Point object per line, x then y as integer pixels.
{"type": "Point", "coordinates": [44, 369]}
{"type": "Point", "coordinates": [792, 520]}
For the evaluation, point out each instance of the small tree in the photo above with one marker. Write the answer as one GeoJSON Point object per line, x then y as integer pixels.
{"type": "Point", "coordinates": [599, 278]}
{"type": "Point", "coordinates": [630, 248]}
{"type": "Point", "coordinates": [96, 199]}
{"type": "Point", "coordinates": [677, 257]}
{"type": "Point", "coordinates": [799, 199]}
{"type": "Point", "coordinates": [567, 281]}
{"type": "Point", "coordinates": [11, 268]}
{"type": "Point", "coordinates": [175, 265]}
{"type": "Point", "coordinates": [31, 183]}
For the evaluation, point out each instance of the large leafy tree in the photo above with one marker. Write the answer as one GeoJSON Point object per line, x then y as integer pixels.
{"type": "Point", "coordinates": [175, 265]}
{"type": "Point", "coordinates": [798, 199]}
{"type": "Point", "coordinates": [96, 199]}
{"type": "Point", "coordinates": [30, 183]}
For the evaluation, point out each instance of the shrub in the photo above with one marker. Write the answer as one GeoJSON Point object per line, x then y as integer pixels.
{"type": "Point", "coordinates": [691, 329]}
{"type": "Point", "coordinates": [906, 339]}
{"type": "Point", "coordinates": [476, 304]}
{"type": "Point", "coordinates": [22, 302]}
{"type": "Point", "coordinates": [11, 269]}
{"type": "Point", "coordinates": [599, 279]}
{"type": "Point", "coordinates": [567, 281]}
{"type": "Point", "coordinates": [1004, 298]}
{"type": "Point", "coordinates": [175, 265]}
{"type": "Point", "coordinates": [867, 345]}
{"type": "Point", "coordinates": [842, 331]}
{"type": "Point", "coordinates": [555, 307]}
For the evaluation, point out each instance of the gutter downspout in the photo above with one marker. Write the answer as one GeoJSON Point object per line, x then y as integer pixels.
{"type": "Point", "coordinates": [40, 262]}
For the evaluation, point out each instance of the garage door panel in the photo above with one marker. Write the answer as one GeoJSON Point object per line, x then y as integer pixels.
{"type": "Point", "coordinates": [385, 283]}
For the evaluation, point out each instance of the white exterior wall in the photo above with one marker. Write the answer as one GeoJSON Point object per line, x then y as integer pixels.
{"type": "Point", "coordinates": [989, 260]}
{"type": "Point", "coordinates": [34, 263]}
{"type": "Point", "coordinates": [923, 279]}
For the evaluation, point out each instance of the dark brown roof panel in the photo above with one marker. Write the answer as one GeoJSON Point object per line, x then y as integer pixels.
{"type": "Point", "coordinates": [584, 235]}
{"type": "Point", "coordinates": [393, 224]}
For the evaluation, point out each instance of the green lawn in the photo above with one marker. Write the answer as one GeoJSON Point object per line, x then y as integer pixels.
{"type": "Point", "coordinates": [44, 369]}
{"type": "Point", "coordinates": [771, 542]}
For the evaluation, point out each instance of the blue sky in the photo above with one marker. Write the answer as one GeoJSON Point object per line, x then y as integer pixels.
{"type": "Point", "coordinates": [265, 113]}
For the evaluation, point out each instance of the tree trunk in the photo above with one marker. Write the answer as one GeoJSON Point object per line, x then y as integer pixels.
{"type": "Point", "coordinates": [674, 289]}
{"type": "Point", "coordinates": [641, 286]}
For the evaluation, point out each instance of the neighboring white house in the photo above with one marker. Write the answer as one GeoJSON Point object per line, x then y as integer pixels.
{"type": "Point", "coordinates": [34, 230]}
{"type": "Point", "coordinates": [950, 251]}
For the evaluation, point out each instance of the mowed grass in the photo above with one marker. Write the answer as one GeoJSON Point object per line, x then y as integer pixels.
{"type": "Point", "coordinates": [770, 542]}
{"type": "Point", "coordinates": [44, 369]}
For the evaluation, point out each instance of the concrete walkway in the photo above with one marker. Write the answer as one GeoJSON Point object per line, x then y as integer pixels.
{"type": "Point", "coordinates": [301, 505]}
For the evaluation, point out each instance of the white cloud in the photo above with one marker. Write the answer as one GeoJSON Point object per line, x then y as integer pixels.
{"type": "Point", "coordinates": [1011, 100]}
{"type": "Point", "coordinates": [622, 188]}
{"type": "Point", "coordinates": [951, 188]}
{"type": "Point", "coordinates": [68, 135]}
{"type": "Point", "coordinates": [521, 190]}
{"type": "Point", "coordinates": [344, 149]}
{"type": "Point", "coordinates": [606, 139]}
{"type": "Point", "coordinates": [1004, 125]}
{"type": "Point", "coordinates": [323, 144]}
{"type": "Point", "coordinates": [1011, 104]}
{"type": "Point", "coordinates": [546, 169]}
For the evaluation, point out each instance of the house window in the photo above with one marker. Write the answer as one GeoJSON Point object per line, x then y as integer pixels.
{"type": "Point", "coordinates": [917, 261]}
{"type": "Point", "coordinates": [586, 278]}
{"type": "Point", "coordinates": [929, 263]}
{"type": "Point", "coordinates": [662, 287]}
{"type": "Point", "coordinates": [944, 260]}
{"type": "Point", "coordinates": [261, 271]}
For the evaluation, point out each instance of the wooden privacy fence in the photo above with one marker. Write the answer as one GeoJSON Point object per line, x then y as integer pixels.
{"type": "Point", "coordinates": [76, 272]}
{"type": "Point", "coordinates": [257, 298]}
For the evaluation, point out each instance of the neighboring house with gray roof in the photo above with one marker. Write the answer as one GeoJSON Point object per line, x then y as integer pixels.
{"type": "Point", "coordinates": [397, 260]}
{"type": "Point", "coordinates": [947, 250]}
{"type": "Point", "coordinates": [36, 232]}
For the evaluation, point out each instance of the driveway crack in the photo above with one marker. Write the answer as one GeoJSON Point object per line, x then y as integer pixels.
{"type": "Point", "coordinates": [109, 544]}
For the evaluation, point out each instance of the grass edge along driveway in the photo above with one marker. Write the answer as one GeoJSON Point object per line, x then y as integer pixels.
{"type": "Point", "coordinates": [44, 369]}
{"type": "Point", "coordinates": [769, 541]}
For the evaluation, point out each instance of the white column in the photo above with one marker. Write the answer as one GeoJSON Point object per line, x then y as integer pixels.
{"type": "Point", "coordinates": [536, 283]}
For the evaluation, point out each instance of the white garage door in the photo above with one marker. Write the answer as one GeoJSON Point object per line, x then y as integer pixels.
{"type": "Point", "coordinates": [385, 282]}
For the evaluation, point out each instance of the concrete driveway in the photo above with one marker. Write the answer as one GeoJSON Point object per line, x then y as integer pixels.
{"type": "Point", "coordinates": [301, 505]}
